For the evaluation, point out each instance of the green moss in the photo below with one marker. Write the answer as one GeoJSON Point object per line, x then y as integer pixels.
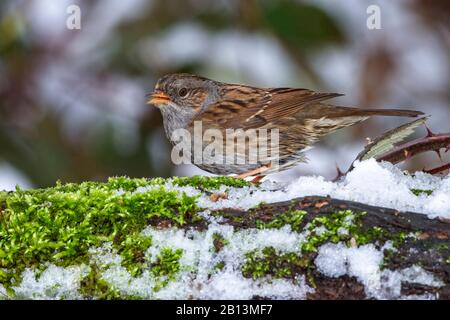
{"type": "Point", "coordinates": [269, 261]}
{"type": "Point", "coordinates": [388, 255]}
{"type": "Point", "coordinates": [127, 184]}
{"type": "Point", "coordinates": [293, 217]}
{"type": "Point", "coordinates": [3, 197]}
{"type": "Point", "coordinates": [131, 184]}
{"type": "Point", "coordinates": [448, 260]}
{"type": "Point", "coordinates": [219, 242]}
{"type": "Point", "coordinates": [418, 192]}
{"type": "Point", "coordinates": [202, 182]}
{"type": "Point", "coordinates": [210, 183]}
{"type": "Point", "coordinates": [398, 238]}
{"type": "Point", "coordinates": [166, 266]}
{"type": "Point", "coordinates": [165, 269]}
{"type": "Point", "coordinates": [132, 250]}
{"type": "Point", "coordinates": [92, 286]}
{"type": "Point", "coordinates": [342, 225]}
{"type": "Point", "coordinates": [219, 266]}
{"type": "Point", "coordinates": [60, 224]}
{"type": "Point", "coordinates": [167, 263]}
{"type": "Point", "coordinates": [259, 205]}
{"type": "Point", "coordinates": [442, 247]}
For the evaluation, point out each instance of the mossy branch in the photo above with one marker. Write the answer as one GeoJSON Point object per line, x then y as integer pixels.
{"type": "Point", "coordinates": [61, 225]}
{"type": "Point", "coordinates": [417, 240]}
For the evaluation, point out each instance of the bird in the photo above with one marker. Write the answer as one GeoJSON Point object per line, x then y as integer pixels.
{"type": "Point", "coordinates": [301, 117]}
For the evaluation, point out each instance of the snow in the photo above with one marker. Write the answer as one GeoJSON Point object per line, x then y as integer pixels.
{"type": "Point", "coordinates": [363, 263]}
{"type": "Point", "coordinates": [370, 182]}
{"type": "Point", "coordinates": [195, 281]}
{"type": "Point", "coordinates": [10, 177]}
{"type": "Point", "coordinates": [380, 184]}
{"type": "Point", "coordinates": [53, 283]}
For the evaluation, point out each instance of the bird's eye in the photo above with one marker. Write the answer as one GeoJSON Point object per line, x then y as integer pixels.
{"type": "Point", "coordinates": [183, 92]}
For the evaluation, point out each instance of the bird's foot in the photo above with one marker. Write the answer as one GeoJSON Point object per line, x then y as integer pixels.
{"type": "Point", "coordinates": [255, 172]}
{"type": "Point", "coordinates": [257, 179]}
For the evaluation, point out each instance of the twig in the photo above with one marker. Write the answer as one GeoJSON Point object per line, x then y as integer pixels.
{"type": "Point", "coordinates": [438, 169]}
{"type": "Point", "coordinates": [407, 150]}
{"type": "Point", "coordinates": [383, 148]}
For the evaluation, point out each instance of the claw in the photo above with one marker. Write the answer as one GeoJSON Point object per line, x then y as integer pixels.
{"type": "Point", "coordinates": [257, 179]}
{"type": "Point", "coordinates": [429, 132]}
{"type": "Point", "coordinates": [438, 152]}
{"type": "Point", "coordinates": [339, 173]}
{"type": "Point", "coordinates": [407, 154]}
{"type": "Point", "coordinates": [254, 171]}
{"type": "Point", "coordinates": [438, 169]}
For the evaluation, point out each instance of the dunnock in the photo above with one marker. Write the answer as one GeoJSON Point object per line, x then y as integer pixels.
{"type": "Point", "coordinates": [301, 116]}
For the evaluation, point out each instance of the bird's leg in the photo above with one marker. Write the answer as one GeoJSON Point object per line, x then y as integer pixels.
{"type": "Point", "coordinates": [254, 172]}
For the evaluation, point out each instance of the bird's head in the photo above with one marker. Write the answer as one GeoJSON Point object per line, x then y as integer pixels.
{"type": "Point", "coordinates": [185, 94]}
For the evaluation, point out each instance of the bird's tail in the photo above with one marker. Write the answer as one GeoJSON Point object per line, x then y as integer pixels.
{"type": "Point", "coordinates": [388, 112]}
{"type": "Point", "coordinates": [338, 112]}
{"type": "Point", "coordinates": [325, 119]}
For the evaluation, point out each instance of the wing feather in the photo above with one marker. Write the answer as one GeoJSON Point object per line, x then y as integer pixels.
{"type": "Point", "coordinates": [249, 107]}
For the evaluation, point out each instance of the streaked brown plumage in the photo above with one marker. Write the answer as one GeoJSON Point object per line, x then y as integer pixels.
{"type": "Point", "coordinates": [301, 115]}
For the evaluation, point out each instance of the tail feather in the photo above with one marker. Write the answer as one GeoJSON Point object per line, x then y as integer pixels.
{"type": "Point", "coordinates": [386, 112]}
{"type": "Point", "coordinates": [333, 112]}
{"type": "Point", "coordinates": [340, 117]}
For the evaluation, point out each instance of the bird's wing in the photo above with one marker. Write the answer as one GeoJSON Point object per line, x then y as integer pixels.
{"type": "Point", "coordinates": [248, 107]}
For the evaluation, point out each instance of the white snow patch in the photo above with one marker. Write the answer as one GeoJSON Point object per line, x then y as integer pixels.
{"type": "Point", "coordinates": [370, 182]}
{"type": "Point", "coordinates": [197, 279]}
{"type": "Point", "coordinates": [53, 283]}
{"type": "Point", "coordinates": [232, 285]}
{"type": "Point", "coordinates": [363, 263]}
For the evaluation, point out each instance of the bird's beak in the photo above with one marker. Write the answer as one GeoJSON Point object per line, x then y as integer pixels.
{"type": "Point", "coordinates": [158, 98]}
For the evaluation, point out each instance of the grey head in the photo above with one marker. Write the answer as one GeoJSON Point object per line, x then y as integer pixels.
{"type": "Point", "coordinates": [181, 97]}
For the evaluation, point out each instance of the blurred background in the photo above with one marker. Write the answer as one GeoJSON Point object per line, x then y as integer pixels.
{"type": "Point", "coordinates": [72, 102]}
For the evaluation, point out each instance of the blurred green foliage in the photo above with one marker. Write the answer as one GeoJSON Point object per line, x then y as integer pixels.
{"type": "Point", "coordinates": [302, 25]}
